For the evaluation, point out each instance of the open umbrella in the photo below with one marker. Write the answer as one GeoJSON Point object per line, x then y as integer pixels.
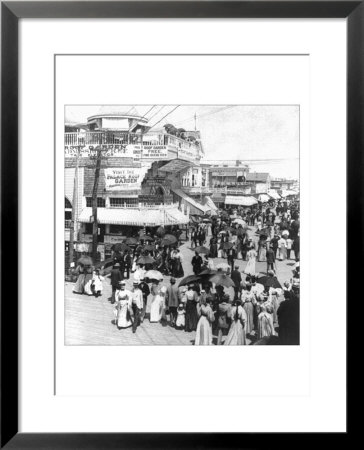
{"type": "Point", "coordinates": [171, 238]}
{"type": "Point", "coordinates": [149, 247]}
{"type": "Point", "coordinates": [202, 249]}
{"type": "Point", "coordinates": [206, 220]}
{"type": "Point", "coordinates": [228, 245]}
{"type": "Point", "coordinates": [223, 266]}
{"type": "Point", "coordinates": [120, 247]}
{"type": "Point", "coordinates": [221, 279]}
{"type": "Point", "coordinates": [240, 222]}
{"type": "Point", "coordinates": [160, 232]}
{"type": "Point", "coordinates": [85, 260]}
{"type": "Point", "coordinates": [189, 279]}
{"type": "Point", "coordinates": [131, 241]}
{"type": "Point", "coordinates": [154, 275]}
{"type": "Point", "coordinates": [208, 272]}
{"type": "Point", "coordinates": [145, 260]}
{"type": "Point", "coordinates": [145, 237]}
{"type": "Point", "coordinates": [269, 281]}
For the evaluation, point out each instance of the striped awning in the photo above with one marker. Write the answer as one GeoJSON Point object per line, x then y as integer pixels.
{"type": "Point", "coordinates": [135, 216]}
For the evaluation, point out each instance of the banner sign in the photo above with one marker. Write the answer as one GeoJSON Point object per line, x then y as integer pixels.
{"type": "Point", "coordinates": [148, 151]}
{"type": "Point", "coordinates": [87, 151]}
{"type": "Point", "coordinates": [124, 178]}
{"type": "Point", "coordinates": [188, 154]}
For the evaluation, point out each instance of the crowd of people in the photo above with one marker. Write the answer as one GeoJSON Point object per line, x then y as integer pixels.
{"type": "Point", "coordinates": [261, 312]}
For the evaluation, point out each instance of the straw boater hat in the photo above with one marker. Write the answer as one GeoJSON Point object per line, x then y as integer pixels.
{"type": "Point", "coordinates": [122, 282]}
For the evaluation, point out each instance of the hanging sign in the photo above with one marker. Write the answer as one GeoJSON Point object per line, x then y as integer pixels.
{"type": "Point", "coordinates": [124, 178]}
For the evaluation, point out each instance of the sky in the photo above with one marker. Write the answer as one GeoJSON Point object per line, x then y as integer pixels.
{"type": "Point", "coordinates": [264, 137]}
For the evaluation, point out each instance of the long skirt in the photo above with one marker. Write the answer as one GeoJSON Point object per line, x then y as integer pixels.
{"type": "Point", "coordinates": [203, 332]}
{"type": "Point", "coordinates": [250, 267]}
{"type": "Point", "coordinates": [80, 284]}
{"type": "Point", "coordinates": [178, 272]}
{"type": "Point", "coordinates": [275, 308]}
{"type": "Point", "coordinates": [282, 253]}
{"type": "Point", "coordinates": [191, 316]}
{"type": "Point", "coordinates": [249, 309]}
{"type": "Point", "coordinates": [265, 325]}
{"type": "Point", "coordinates": [236, 335]}
{"type": "Point", "coordinates": [123, 319]}
{"type": "Point", "coordinates": [156, 309]}
{"type": "Point", "coordinates": [262, 255]}
{"type": "Point", "coordinates": [88, 282]}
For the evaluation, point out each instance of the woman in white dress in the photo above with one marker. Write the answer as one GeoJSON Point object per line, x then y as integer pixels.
{"type": "Point", "coordinates": [97, 280]}
{"type": "Point", "coordinates": [123, 308]}
{"type": "Point", "coordinates": [251, 257]}
{"type": "Point", "coordinates": [236, 335]}
{"type": "Point", "coordinates": [157, 306]}
{"type": "Point", "coordinates": [204, 326]}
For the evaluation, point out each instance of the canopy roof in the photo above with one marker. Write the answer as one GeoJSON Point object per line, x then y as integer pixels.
{"type": "Point", "coordinates": [135, 216]}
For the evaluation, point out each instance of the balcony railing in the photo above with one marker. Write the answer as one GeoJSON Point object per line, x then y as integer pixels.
{"type": "Point", "coordinates": [124, 138]}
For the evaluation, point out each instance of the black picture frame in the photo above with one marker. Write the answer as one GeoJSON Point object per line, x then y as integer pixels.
{"type": "Point", "coordinates": [11, 12]}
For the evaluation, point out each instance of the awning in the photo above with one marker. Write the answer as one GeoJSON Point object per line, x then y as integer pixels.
{"type": "Point", "coordinates": [135, 217]}
{"type": "Point", "coordinates": [176, 165]}
{"type": "Point", "coordinates": [288, 192]}
{"type": "Point", "coordinates": [264, 198]}
{"type": "Point", "coordinates": [191, 201]}
{"type": "Point", "coordinates": [211, 204]}
{"type": "Point", "coordinates": [274, 194]}
{"type": "Point", "coordinates": [242, 201]}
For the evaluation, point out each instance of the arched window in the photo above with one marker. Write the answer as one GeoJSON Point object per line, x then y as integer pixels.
{"type": "Point", "coordinates": [67, 203]}
{"type": "Point", "coordinates": [67, 212]}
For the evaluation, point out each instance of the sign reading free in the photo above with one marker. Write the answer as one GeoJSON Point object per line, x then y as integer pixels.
{"type": "Point", "coordinates": [148, 151]}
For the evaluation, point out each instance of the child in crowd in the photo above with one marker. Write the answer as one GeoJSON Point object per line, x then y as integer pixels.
{"type": "Point", "coordinates": [180, 322]}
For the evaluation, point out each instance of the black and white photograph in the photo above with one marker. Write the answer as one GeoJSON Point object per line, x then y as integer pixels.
{"type": "Point", "coordinates": [182, 224]}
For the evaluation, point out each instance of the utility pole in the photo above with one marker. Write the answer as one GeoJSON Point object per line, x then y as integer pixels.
{"type": "Point", "coordinates": [74, 208]}
{"type": "Point", "coordinates": [195, 121]}
{"type": "Point", "coordinates": [94, 204]}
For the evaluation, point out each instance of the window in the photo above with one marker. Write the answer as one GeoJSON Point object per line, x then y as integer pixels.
{"type": "Point", "coordinates": [67, 203]}
{"type": "Point", "coordinates": [88, 228]}
{"type": "Point", "coordinates": [120, 202]}
{"type": "Point", "coordinates": [100, 202]}
{"type": "Point", "coordinates": [116, 229]}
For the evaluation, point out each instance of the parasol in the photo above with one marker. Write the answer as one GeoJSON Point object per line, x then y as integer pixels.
{"type": "Point", "coordinates": [190, 279]}
{"type": "Point", "coordinates": [228, 245]}
{"type": "Point", "coordinates": [154, 275]}
{"type": "Point", "coordinates": [220, 279]}
{"type": "Point", "coordinates": [269, 281]}
{"type": "Point", "coordinates": [208, 272]}
{"type": "Point", "coordinates": [85, 260]}
{"type": "Point", "coordinates": [149, 247]}
{"type": "Point", "coordinates": [202, 249]}
{"type": "Point", "coordinates": [145, 237]}
{"type": "Point", "coordinates": [145, 260]}
{"type": "Point", "coordinates": [131, 241]}
{"type": "Point", "coordinates": [160, 232]}
{"type": "Point", "coordinates": [240, 222]}
{"type": "Point", "coordinates": [120, 247]}
{"type": "Point", "coordinates": [223, 266]}
{"type": "Point", "coordinates": [170, 238]}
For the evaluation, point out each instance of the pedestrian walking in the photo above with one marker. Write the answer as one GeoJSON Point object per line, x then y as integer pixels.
{"type": "Point", "coordinates": [204, 326]}
{"type": "Point", "coordinates": [236, 334]}
{"type": "Point", "coordinates": [115, 278]}
{"type": "Point", "coordinates": [137, 304]}
{"type": "Point", "coordinates": [172, 301]}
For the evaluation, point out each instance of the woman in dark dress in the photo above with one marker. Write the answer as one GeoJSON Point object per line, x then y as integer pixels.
{"type": "Point", "coordinates": [191, 319]}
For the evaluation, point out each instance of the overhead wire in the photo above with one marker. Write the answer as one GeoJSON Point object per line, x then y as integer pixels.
{"type": "Point", "coordinates": [160, 120]}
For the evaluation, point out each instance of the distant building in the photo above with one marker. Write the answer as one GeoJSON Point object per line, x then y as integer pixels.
{"type": "Point", "coordinates": [283, 183]}
{"type": "Point", "coordinates": [260, 182]}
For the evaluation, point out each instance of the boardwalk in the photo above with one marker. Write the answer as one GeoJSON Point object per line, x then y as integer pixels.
{"type": "Point", "coordinates": [89, 320]}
